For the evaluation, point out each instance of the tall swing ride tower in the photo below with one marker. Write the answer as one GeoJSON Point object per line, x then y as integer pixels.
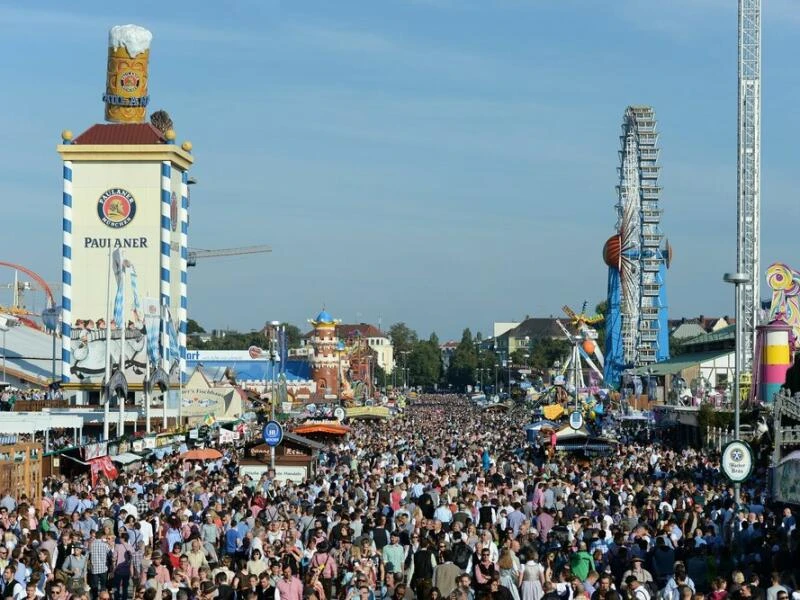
{"type": "Point", "coordinates": [748, 207]}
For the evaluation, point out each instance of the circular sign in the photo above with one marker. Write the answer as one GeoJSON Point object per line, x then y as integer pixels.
{"type": "Point", "coordinates": [273, 433]}
{"type": "Point", "coordinates": [576, 419]}
{"type": "Point", "coordinates": [116, 208]}
{"type": "Point", "coordinates": [737, 461]}
{"type": "Point", "coordinates": [339, 414]}
{"type": "Point", "coordinates": [129, 81]}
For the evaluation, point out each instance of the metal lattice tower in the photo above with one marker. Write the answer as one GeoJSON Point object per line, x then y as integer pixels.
{"type": "Point", "coordinates": [749, 173]}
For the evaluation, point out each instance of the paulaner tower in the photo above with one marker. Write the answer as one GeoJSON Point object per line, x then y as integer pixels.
{"type": "Point", "coordinates": [125, 231]}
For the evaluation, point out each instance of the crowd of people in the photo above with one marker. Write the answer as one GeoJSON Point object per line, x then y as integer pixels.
{"type": "Point", "coordinates": [10, 395]}
{"type": "Point", "coordinates": [442, 501]}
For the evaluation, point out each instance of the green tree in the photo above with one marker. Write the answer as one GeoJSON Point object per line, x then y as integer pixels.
{"type": "Point", "coordinates": [676, 347]}
{"type": "Point", "coordinates": [425, 364]}
{"type": "Point", "coordinates": [293, 335]}
{"type": "Point", "coordinates": [193, 327]}
{"type": "Point", "coordinates": [461, 370]}
{"type": "Point", "coordinates": [546, 351]}
{"type": "Point", "coordinates": [403, 339]}
{"type": "Point", "coordinates": [601, 309]}
{"type": "Point", "coordinates": [381, 378]}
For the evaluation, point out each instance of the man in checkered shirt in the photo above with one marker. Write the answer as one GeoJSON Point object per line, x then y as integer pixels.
{"type": "Point", "coordinates": [99, 551]}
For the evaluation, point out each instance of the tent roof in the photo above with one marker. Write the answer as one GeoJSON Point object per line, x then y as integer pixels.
{"type": "Point", "coordinates": [126, 458]}
{"type": "Point", "coordinates": [681, 362]}
{"type": "Point", "coordinates": [30, 422]}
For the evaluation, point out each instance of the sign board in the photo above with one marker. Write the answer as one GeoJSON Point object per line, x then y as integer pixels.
{"type": "Point", "coordinates": [737, 461]}
{"type": "Point", "coordinates": [576, 419]}
{"type": "Point", "coordinates": [91, 451]}
{"type": "Point", "coordinates": [150, 442]}
{"type": "Point", "coordinates": [339, 414]}
{"type": "Point", "coordinates": [273, 433]}
{"type": "Point", "coordinates": [199, 402]}
{"type": "Point", "coordinates": [282, 473]}
{"type": "Point", "coordinates": [204, 356]}
{"type": "Point", "coordinates": [194, 434]}
{"type": "Point", "coordinates": [295, 473]}
{"type": "Point", "coordinates": [137, 445]}
{"type": "Point", "coordinates": [254, 471]}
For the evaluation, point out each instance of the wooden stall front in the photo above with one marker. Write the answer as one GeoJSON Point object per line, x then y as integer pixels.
{"type": "Point", "coordinates": [295, 458]}
{"type": "Point", "coordinates": [21, 472]}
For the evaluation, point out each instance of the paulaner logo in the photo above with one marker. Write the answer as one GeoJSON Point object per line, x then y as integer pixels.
{"type": "Point", "coordinates": [116, 208]}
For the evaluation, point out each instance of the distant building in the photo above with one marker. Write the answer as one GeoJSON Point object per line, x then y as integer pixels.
{"type": "Point", "coordinates": [687, 328]}
{"type": "Point", "coordinates": [526, 333]}
{"type": "Point", "coordinates": [447, 349]}
{"type": "Point", "coordinates": [706, 361]}
{"type": "Point", "coordinates": [501, 328]}
{"type": "Point", "coordinates": [348, 333]}
{"type": "Point", "coordinates": [378, 341]}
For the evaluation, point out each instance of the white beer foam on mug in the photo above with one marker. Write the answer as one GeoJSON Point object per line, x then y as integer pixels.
{"type": "Point", "coordinates": [133, 38]}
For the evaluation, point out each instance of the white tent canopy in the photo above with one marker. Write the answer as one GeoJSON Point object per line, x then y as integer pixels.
{"type": "Point", "coordinates": [126, 458]}
{"type": "Point", "coordinates": [28, 423]}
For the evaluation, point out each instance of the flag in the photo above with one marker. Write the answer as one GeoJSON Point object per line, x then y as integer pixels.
{"type": "Point", "coordinates": [174, 352]}
{"type": "Point", "coordinates": [152, 325]}
{"type": "Point", "coordinates": [209, 420]}
{"type": "Point", "coordinates": [118, 261]}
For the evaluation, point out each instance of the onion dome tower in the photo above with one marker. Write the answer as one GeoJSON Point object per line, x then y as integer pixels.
{"type": "Point", "coordinates": [325, 362]}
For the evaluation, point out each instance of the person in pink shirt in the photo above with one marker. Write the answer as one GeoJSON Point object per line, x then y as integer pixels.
{"type": "Point", "coordinates": [289, 586]}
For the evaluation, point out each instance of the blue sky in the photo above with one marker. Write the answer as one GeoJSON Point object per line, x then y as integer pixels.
{"type": "Point", "coordinates": [447, 163]}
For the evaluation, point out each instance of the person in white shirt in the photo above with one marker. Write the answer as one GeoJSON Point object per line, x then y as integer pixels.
{"type": "Point", "coordinates": [443, 514]}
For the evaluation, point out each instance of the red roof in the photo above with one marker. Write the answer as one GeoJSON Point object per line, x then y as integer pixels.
{"type": "Point", "coordinates": [121, 133]}
{"type": "Point", "coordinates": [365, 330]}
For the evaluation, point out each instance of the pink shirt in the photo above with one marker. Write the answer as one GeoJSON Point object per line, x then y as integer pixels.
{"type": "Point", "coordinates": [290, 590]}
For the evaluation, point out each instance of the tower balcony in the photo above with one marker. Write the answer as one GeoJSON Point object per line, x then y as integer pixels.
{"type": "Point", "coordinates": [652, 216]}
{"type": "Point", "coordinates": [651, 289]}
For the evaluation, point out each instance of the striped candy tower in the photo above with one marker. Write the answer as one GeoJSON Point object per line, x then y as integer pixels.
{"type": "Point", "coordinates": [182, 313]}
{"type": "Point", "coordinates": [166, 188]}
{"type": "Point", "coordinates": [66, 267]}
{"type": "Point", "coordinates": [776, 358]}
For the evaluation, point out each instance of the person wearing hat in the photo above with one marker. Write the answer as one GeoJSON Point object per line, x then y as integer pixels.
{"type": "Point", "coordinates": [325, 563]}
{"type": "Point", "coordinates": [642, 575]}
{"type": "Point", "coordinates": [208, 590]}
{"type": "Point", "coordinates": [162, 574]}
{"type": "Point", "coordinates": [75, 566]}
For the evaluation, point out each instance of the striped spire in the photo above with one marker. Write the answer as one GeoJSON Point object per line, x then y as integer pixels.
{"type": "Point", "coordinates": [183, 310]}
{"type": "Point", "coordinates": [66, 275]}
{"type": "Point", "coordinates": [166, 188]}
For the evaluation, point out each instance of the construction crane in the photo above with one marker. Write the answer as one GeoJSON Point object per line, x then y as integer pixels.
{"type": "Point", "coordinates": [748, 207]}
{"type": "Point", "coordinates": [195, 253]}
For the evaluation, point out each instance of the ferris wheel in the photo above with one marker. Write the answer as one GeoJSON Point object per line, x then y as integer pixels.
{"type": "Point", "coordinates": [636, 328]}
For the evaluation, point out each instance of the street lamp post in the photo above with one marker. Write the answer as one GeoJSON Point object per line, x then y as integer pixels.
{"type": "Point", "coordinates": [737, 279]}
{"type": "Point", "coordinates": [405, 368]}
{"type": "Point", "coordinates": [509, 374]}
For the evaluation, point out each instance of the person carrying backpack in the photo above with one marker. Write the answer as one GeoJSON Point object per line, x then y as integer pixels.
{"type": "Point", "coordinates": [462, 553]}
{"type": "Point", "coordinates": [636, 591]}
{"type": "Point", "coordinates": [122, 565]}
